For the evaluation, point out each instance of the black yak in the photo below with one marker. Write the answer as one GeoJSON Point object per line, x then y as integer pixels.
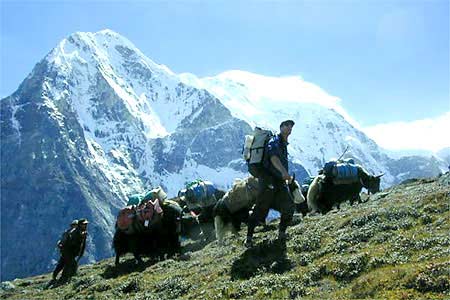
{"type": "Point", "coordinates": [323, 194]}
{"type": "Point", "coordinates": [160, 239]}
{"type": "Point", "coordinates": [199, 201]}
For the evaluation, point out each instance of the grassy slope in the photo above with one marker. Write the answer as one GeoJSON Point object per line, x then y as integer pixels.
{"type": "Point", "coordinates": [395, 246]}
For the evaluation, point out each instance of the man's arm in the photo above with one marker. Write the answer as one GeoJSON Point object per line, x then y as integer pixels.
{"type": "Point", "coordinates": [83, 246]}
{"type": "Point", "coordinates": [279, 166]}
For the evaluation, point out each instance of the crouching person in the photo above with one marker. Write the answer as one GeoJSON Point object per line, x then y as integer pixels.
{"type": "Point", "coordinates": [71, 246]}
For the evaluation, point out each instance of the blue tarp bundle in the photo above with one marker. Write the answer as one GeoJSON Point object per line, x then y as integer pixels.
{"type": "Point", "coordinates": [345, 173]}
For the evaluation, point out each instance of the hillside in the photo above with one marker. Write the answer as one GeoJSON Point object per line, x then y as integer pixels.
{"type": "Point", "coordinates": [394, 246]}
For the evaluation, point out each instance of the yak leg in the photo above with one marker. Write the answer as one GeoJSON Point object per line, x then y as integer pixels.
{"type": "Point", "coordinates": [134, 247]}
{"type": "Point", "coordinates": [354, 199]}
{"type": "Point", "coordinates": [302, 208]}
{"type": "Point", "coordinates": [219, 226]}
{"type": "Point", "coordinates": [173, 245]}
{"type": "Point", "coordinates": [236, 220]}
{"type": "Point", "coordinates": [137, 258]}
{"type": "Point", "coordinates": [235, 227]}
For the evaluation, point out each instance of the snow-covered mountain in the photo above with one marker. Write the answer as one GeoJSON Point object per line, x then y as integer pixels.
{"type": "Point", "coordinates": [323, 128]}
{"type": "Point", "coordinates": [96, 120]}
{"type": "Point", "coordinates": [444, 154]}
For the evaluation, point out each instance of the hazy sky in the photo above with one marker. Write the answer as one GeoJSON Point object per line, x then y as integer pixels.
{"type": "Point", "coordinates": [387, 60]}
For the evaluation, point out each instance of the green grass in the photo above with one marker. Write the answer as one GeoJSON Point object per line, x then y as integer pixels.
{"type": "Point", "coordinates": [395, 246]}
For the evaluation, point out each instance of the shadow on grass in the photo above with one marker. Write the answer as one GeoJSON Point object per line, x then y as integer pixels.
{"type": "Point", "coordinates": [193, 246]}
{"type": "Point", "coordinates": [269, 256]}
{"type": "Point", "coordinates": [126, 267]}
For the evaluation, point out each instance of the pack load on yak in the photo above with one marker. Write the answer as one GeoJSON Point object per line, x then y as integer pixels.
{"type": "Point", "coordinates": [192, 183]}
{"type": "Point", "coordinates": [135, 199]}
{"type": "Point", "coordinates": [142, 211]}
{"type": "Point", "coordinates": [156, 193]}
{"type": "Point", "coordinates": [139, 218]}
{"type": "Point", "coordinates": [125, 218]}
{"type": "Point", "coordinates": [341, 171]}
{"type": "Point", "coordinates": [242, 194]}
{"type": "Point", "coordinates": [181, 193]}
{"type": "Point", "coordinates": [200, 194]}
{"type": "Point", "coordinates": [254, 150]}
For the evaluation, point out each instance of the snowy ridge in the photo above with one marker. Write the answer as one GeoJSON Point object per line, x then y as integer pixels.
{"type": "Point", "coordinates": [248, 94]}
{"type": "Point", "coordinates": [323, 130]}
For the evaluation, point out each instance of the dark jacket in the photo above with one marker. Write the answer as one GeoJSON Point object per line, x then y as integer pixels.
{"type": "Point", "coordinates": [64, 238]}
{"type": "Point", "coordinates": [75, 243]}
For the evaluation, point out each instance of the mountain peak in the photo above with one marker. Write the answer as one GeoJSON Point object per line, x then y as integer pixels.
{"type": "Point", "coordinates": [105, 46]}
{"type": "Point", "coordinates": [102, 37]}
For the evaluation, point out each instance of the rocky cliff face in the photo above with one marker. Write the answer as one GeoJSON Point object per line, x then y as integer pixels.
{"type": "Point", "coordinates": [47, 179]}
{"type": "Point", "coordinates": [96, 120]}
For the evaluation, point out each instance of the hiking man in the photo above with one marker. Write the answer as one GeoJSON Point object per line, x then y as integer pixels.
{"type": "Point", "coordinates": [273, 191]}
{"type": "Point", "coordinates": [71, 245]}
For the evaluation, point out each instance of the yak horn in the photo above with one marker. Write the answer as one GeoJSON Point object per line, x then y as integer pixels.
{"type": "Point", "coordinates": [379, 175]}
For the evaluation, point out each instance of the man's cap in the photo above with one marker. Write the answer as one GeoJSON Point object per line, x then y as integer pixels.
{"type": "Point", "coordinates": [74, 222]}
{"type": "Point", "coordinates": [287, 123]}
{"type": "Point", "coordinates": [83, 221]}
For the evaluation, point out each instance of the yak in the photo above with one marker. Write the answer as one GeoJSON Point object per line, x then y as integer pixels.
{"type": "Point", "coordinates": [233, 209]}
{"type": "Point", "coordinates": [161, 239]}
{"type": "Point", "coordinates": [323, 194]}
{"type": "Point", "coordinates": [200, 207]}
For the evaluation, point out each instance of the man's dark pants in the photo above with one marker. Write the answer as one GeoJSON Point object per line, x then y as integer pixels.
{"type": "Point", "coordinates": [272, 193]}
{"type": "Point", "coordinates": [67, 264]}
